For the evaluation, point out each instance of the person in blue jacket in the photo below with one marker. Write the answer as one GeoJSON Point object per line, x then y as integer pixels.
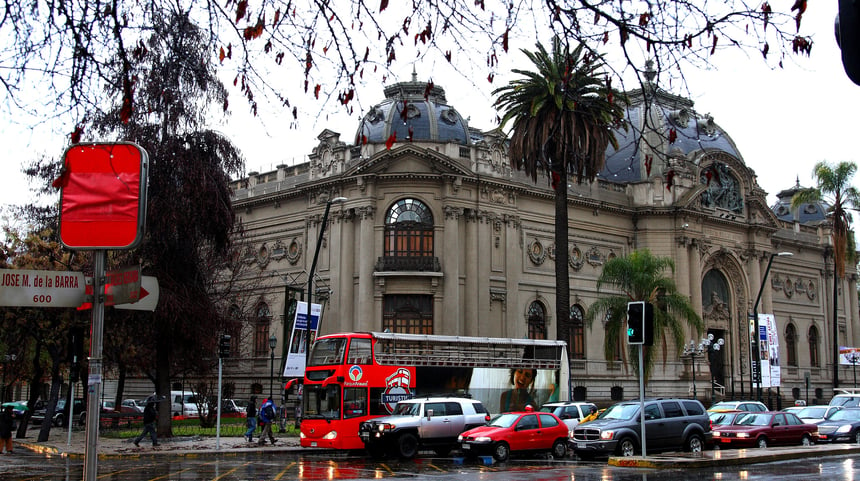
{"type": "Point", "coordinates": [268, 416]}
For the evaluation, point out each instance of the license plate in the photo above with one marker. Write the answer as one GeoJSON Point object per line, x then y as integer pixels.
{"type": "Point", "coordinates": [580, 445]}
{"type": "Point", "coordinates": [726, 440]}
{"type": "Point", "coordinates": [466, 446]}
{"type": "Point", "coordinates": [313, 444]}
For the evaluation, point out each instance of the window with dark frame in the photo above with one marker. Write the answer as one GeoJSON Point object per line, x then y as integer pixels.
{"type": "Point", "coordinates": [791, 345]}
{"type": "Point", "coordinates": [537, 320]}
{"type": "Point", "coordinates": [577, 332]}
{"type": "Point", "coordinates": [261, 330]}
{"type": "Point", "coordinates": [814, 358]}
{"type": "Point", "coordinates": [408, 313]}
{"type": "Point", "coordinates": [409, 229]}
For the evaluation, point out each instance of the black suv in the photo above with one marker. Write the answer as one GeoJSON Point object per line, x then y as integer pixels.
{"type": "Point", "coordinates": [79, 413]}
{"type": "Point", "coordinates": [670, 425]}
{"type": "Point", "coordinates": [432, 422]}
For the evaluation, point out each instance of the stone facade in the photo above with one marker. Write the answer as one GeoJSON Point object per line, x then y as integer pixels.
{"type": "Point", "coordinates": [438, 235]}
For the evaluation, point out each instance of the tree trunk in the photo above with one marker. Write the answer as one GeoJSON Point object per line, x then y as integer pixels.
{"type": "Point", "coordinates": [562, 281]}
{"type": "Point", "coordinates": [35, 382]}
{"type": "Point", "coordinates": [56, 384]}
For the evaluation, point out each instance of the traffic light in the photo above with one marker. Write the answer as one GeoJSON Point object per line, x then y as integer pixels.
{"type": "Point", "coordinates": [224, 346]}
{"type": "Point", "coordinates": [848, 37]}
{"type": "Point", "coordinates": [640, 323]}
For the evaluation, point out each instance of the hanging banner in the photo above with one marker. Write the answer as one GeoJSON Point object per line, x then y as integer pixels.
{"type": "Point", "coordinates": [305, 328]}
{"type": "Point", "coordinates": [769, 351]}
{"type": "Point", "coordinates": [849, 356]}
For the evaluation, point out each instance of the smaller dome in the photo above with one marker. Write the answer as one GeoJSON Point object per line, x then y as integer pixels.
{"type": "Point", "coordinates": [413, 111]}
{"type": "Point", "coordinates": [806, 212]}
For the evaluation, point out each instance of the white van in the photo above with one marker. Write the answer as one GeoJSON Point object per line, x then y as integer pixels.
{"type": "Point", "coordinates": [184, 403]}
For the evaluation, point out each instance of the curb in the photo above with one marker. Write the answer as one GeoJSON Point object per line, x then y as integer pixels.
{"type": "Point", "coordinates": [733, 457]}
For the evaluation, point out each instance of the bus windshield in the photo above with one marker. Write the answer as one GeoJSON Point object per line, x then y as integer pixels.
{"type": "Point", "coordinates": [322, 402]}
{"type": "Point", "coordinates": [327, 352]}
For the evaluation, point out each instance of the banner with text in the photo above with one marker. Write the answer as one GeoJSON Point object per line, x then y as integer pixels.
{"type": "Point", "coordinates": [305, 328]}
{"type": "Point", "coordinates": [769, 351]}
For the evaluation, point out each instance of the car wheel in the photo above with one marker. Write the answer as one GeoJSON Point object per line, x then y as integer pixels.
{"type": "Point", "coordinates": [805, 441]}
{"type": "Point", "coordinates": [559, 448]}
{"type": "Point", "coordinates": [442, 450]}
{"type": "Point", "coordinates": [626, 447]}
{"type": "Point", "coordinates": [58, 420]}
{"type": "Point", "coordinates": [857, 437]}
{"type": "Point", "coordinates": [407, 445]}
{"type": "Point", "coordinates": [694, 444]}
{"type": "Point", "coordinates": [501, 452]}
{"type": "Point", "coordinates": [762, 442]}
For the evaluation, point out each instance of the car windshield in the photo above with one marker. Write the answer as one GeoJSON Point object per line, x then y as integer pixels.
{"type": "Point", "coordinates": [845, 415]}
{"type": "Point", "coordinates": [811, 412]}
{"type": "Point", "coordinates": [407, 409]}
{"type": "Point", "coordinates": [504, 420]}
{"type": "Point", "coordinates": [620, 411]}
{"type": "Point", "coordinates": [725, 405]}
{"type": "Point", "coordinates": [754, 419]}
{"type": "Point", "coordinates": [723, 419]}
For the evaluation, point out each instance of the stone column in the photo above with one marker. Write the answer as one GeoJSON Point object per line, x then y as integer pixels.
{"type": "Point", "coordinates": [346, 280]}
{"type": "Point", "coordinates": [367, 256]}
{"type": "Point", "coordinates": [472, 252]}
{"type": "Point", "coordinates": [448, 320]}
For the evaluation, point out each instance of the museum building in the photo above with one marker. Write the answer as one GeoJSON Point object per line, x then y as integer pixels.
{"type": "Point", "coordinates": [429, 230]}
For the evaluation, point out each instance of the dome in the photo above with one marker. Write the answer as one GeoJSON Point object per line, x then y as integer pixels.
{"type": "Point", "coordinates": [692, 132]}
{"type": "Point", "coordinates": [806, 212]}
{"type": "Point", "coordinates": [413, 111]}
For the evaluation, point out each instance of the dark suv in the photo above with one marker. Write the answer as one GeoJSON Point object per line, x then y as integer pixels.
{"type": "Point", "coordinates": [79, 413]}
{"type": "Point", "coordinates": [432, 422]}
{"type": "Point", "coordinates": [670, 425]}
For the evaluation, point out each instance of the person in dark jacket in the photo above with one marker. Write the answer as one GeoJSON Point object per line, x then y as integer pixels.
{"type": "Point", "coordinates": [267, 418]}
{"type": "Point", "coordinates": [7, 423]}
{"type": "Point", "coordinates": [251, 413]}
{"type": "Point", "coordinates": [150, 415]}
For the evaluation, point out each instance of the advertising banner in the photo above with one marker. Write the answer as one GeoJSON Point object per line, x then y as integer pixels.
{"type": "Point", "coordinates": [769, 351]}
{"type": "Point", "coordinates": [305, 328]}
{"type": "Point", "coordinates": [849, 356]}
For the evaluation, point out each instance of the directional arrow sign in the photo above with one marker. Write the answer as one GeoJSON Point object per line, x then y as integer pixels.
{"type": "Point", "coordinates": [25, 288]}
{"type": "Point", "coordinates": [148, 296]}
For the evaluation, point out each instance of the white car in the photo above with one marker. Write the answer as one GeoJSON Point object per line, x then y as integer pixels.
{"type": "Point", "coordinates": [571, 412]}
{"type": "Point", "coordinates": [816, 414]}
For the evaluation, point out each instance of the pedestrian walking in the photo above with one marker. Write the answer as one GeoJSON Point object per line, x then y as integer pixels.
{"type": "Point", "coordinates": [267, 418]}
{"type": "Point", "coordinates": [7, 424]}
{"type": "Point", "coordinates": [251, 414]}
{"type": "Point", "coordinates": [150, 415]}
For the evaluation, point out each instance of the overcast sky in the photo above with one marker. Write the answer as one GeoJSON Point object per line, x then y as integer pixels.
{"type": "Point", "coordinates": [783, 121]}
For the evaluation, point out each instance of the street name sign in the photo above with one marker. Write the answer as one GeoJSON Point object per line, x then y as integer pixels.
{"type": "Point", "coordinates": [26, 288]}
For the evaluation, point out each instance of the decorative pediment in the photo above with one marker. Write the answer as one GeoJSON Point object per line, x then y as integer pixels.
{"type": "Point", "coordinates": [411, 160]}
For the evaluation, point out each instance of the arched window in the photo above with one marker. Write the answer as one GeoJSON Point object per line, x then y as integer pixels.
{"type": "Point", "coordinates": [791, 344]}
{"type": "Point", "coordinates": [409, 229]}
{"type": "Point", "coordinates": [814, 352]}
{"type": "Point", "coordinates": [577, 332]}
{"type": "Point", "coordinates": [410, 314]}
{"type": "Point", "coordinates": [537, 320]}
{"type": "Point", "coordinates": [261, 330]}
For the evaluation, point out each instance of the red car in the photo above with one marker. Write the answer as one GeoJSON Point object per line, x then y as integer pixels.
{"type": "Point", "coordinates": [765, 429]}
{"type": "Point", "coordinates": [527, 431]}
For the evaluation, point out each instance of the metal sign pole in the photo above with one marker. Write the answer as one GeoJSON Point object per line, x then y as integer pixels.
{"type": "Point", "coordinates": [94, 380]}
{"type": "Point", "coordinates": [218, 423]}
{"type": "Point", "coordinates": [642, 400]}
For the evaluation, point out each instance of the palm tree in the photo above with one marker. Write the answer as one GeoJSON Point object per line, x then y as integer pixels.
{"type": "Point", "coordinates": [834, 187]}
{"type": "Point", "coordinates": [640, 277]}
{"type": "Point", "coordinates": [562, 114]}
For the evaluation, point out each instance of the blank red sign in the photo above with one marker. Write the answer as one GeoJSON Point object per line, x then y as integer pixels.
{"type": "Point", "coordinates": [104, 196]}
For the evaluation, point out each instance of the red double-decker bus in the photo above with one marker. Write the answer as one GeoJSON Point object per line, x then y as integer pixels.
{"type": "Point", "coordinates": [352, 377]}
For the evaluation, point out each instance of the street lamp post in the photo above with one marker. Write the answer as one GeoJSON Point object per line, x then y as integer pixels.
{"type": "Point", "coordinates": [692, 349]}
{"type": "Point", "coordinates": [854, 358]}
{"type": "Point", "coordinates": [755, 346]}
{"type": "Point", "coordinates": [328, 204]}
{"type": "Point", "coordinates": [273, 341]}
{"type": "Point", "coordinates": [713, 346]}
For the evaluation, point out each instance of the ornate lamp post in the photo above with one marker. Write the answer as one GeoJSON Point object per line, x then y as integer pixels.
{"type": "Point", "coordinates": [273, 341]}
{"type": "Point", "coordinates": [853, 357]}
{"type": "Point", "coordinates": [692, 349]}
{"type": "Point", "coordinates": [755, 346]}
{"type": "Point", "coordinates": [713, 346]}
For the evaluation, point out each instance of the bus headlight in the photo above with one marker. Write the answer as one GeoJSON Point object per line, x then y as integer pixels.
{"type": "Point", "coordinates": [331, 435]}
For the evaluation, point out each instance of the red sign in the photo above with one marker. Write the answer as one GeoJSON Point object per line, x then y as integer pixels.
{"type": "Point", "coordinates": [103, 199]}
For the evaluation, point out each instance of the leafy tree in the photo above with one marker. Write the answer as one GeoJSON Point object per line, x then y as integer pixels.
{"type": "Point", "coordinates": [562, 116]}
{"type": "Point", "coordinates": [834, 187]}
{"type": "Point", "coordinates": [331, 49]}
{"type": "Point", "coordinates": [640, 276]}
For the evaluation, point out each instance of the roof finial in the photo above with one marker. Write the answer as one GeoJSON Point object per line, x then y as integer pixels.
{"type": "Point", "coordinates": [414, 74]}
{"type": "Point", "coordinates": [650, 73]}
{"type": "Point", "coordinates": [797, 182]}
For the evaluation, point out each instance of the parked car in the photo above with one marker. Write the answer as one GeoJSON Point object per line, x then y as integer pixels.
{"type": "Point", "coordinates": [748, 406]}
{"type": "Point", "coordinates": [763, 429]}
{"type": "Point", "coordinates": [185, 404]}
{"type": "Point", "coordinates": [136, 404]}
{"type": "Point", "coordinates": [79, 413]}
{"type": "Point", "coordinates": [846, 398]}
{"type": "Point", "coordinates": [570, 412]}
{"type": "Point", "coordinates": [816, 414]}
{"type": "Point", "coordinates": [432, 422]}
{"type": "Point", "coordinates": [843, 425]}
{"type": "Point", "coordinates": [724, 418]}
{"type": "Point", "coordinates": [670, 424]}
{"type": "Point", "coordinates": [526, 431]}
{"type": "Point", "coordinates": [229, 408]}
{"type": "Point", "coordinates": [792, 409]}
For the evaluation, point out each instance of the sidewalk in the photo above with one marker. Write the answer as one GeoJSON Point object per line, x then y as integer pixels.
{"type": "Point", "coordinates": [58, 445]}
{"type": "Point", "coordinates": [734, 457]}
